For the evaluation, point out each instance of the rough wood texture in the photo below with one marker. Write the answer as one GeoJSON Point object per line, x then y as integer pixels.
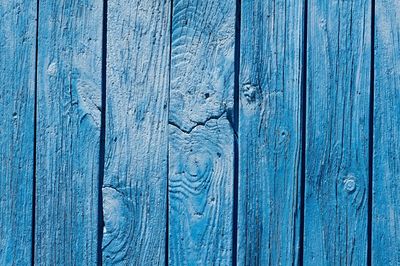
{"type": "Point", "coordinates": [135, 184]}
{"type": "Point", "coordinates": [386, 170]}
{"type": "Point", "coordinates": [201, 136]}
{"type": "Point", "coordinates": [69, 106]}
{"type": "Point", "coordinates": [338, 91]}
{"type": "Point", "coordinates": [269, 132]}
{"type": "Point", "coordinates": [17, 87]}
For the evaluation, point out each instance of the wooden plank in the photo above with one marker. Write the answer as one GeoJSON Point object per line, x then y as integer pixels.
{"type": "Point", "coordinates": [135, 184]}
{"type": "Point", "coordinates": [201, 139]}
{"type": "Point", "coordinates": [338, 92]}
{"type": "Point", "coordinates": [269, 132]}
{"type": "Point", "coordinates": [17, 93]}
{"type": "Point", "coordinates": [386, 164]}
{"type": "Point", "coordinates": [68, 131]}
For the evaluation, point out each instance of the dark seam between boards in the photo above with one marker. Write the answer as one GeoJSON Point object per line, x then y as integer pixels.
{"type": "Point", "coordinates": [303, 132]}
{"type": "Point", "coordinates": [235, 131]}
{"type": "Point", "coordinates": [35, 137]}
{"type": "Point", "coordinates": [100, 218]}
{"type": "Point", "coordinates": [371, 135]}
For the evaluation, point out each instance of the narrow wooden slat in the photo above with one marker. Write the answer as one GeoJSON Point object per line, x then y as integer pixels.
{"type": "Point", "coordinates": [269, 132]}
{"type": "Point", "coordinates": [386, 170]}
{"type": "Point", "coordinates": [68, 127]}
{"type": "Point", "coordinates": [201, 138]}
{"type": "Point", "coordinates": [135, 183]}
{"type": "Point", "coordinates": [17, 87]}
{"type": "Point", "coordinates": [338, 91]}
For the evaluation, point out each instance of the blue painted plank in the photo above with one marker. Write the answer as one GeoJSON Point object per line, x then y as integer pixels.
{"type": "Point", "coordinates": [68, 131]}
{"type": "Point", "coordinates": [270, 132]}
{"type": "Point", "coordinates": [17, 90]}
{"type": "Point", "coordinates": [338, 92]}
{"type": "Point", "coordinates": [135, 183]}
{"type": "Point", "coordinates": [201, 138]}
{"type": "Point", "coordinates": [386, 164]}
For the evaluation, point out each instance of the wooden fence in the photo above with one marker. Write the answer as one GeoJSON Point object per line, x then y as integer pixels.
{"type": "Point", "coordinates": [200, 132]}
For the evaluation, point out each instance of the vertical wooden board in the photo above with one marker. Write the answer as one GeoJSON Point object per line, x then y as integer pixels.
{"type": "Point", "coordinates": [68, 131]}
{"type": "Point", "coordinates": [269, 132]}
{"type": "Point", "coordinates": [17, 90]}
{"type": "Point", "coordinates": [135, 183]}
{"type": "Point", "coordinates": [386, 170]}
{"type": "Point", "coordinates": [338, 91]}
{"type": "Point", "coordinates": [201, 137]}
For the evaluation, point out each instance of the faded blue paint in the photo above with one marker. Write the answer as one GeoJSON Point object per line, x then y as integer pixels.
{"type": "Point", "coordinates": [17, 90]}
{"type": "Point", "coordinates": [177, 134]}
{"type": "Point", "coordinates": [270, 132]}
{"type": "Point", "coordinates": [135, 181]}
{"type": "Point", "coordinates": [337, 132]}
{"type": "Point", "coordinates": [201, 138]}
{"type": "Point", "coordinates": [68, 131]}
{"type": "Point", "coordinates": [386, 165]}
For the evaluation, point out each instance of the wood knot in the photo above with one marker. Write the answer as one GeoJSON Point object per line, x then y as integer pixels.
{"type": "Point", "coordinates": [117, 210]}
{"type": "Point", "coordinates": [250, 92]}
{"type": "Point", "coordinates": [349, 184]}
{"type": "Point", "coordinates": [52, 69]}
{"type": "Point", "coordinates": [119, 224]}
{"type": "Point", "coordinates": [198, 163]}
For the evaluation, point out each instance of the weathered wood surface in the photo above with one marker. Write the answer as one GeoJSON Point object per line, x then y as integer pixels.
{"type": "Point", "coordinates": [186, 126]}
{"type": "Point", "coordinates": [17, 94]}
{"type": "Point", "coordinates": [201, 137]}
{"type": "Point", "coordinates": [386, 164]}
{"type": "Point", "coordinates": [269, 132]}
{"type": "Point", "coordinates": [135, 183]}
{"type": "Point", "coordinates": [68, 127]}
{"type": "Point", "coordinates": [338, 92]}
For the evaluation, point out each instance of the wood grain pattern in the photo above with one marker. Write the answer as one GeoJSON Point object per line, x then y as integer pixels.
{"type": "Point", "coordinates": [68, 123]}
{"type": "Point", "coordinates": [184, 121]}
{"type": "Point", "coordinates": [17, 90]}
{"type": "Point", "coordinates": [338, 92]}
{"type": "Point", "coordinates": [269, 132]}
{"type": "Point", "coordinates": [386, 164]}
{"type": "Point", "coordinates": [201, 136]}
{"type": "Point", "coordinates": [135, 183]}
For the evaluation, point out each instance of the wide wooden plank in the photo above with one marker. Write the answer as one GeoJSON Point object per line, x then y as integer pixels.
{"type": "Point", "coordinates": [135, 183]}
{"type": "Point", "coordinates": [386, 164]}
{"type": "Point", "coordinates": [17, 93]}
{"type": "Point", "coordinates": [68, 131]}
{"type": "Point", "coordinates": [201, 138]}
{"type": "Point", "coordinates": [338, 92]}
{"type": "Point", "coordinates": [270, 131]}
